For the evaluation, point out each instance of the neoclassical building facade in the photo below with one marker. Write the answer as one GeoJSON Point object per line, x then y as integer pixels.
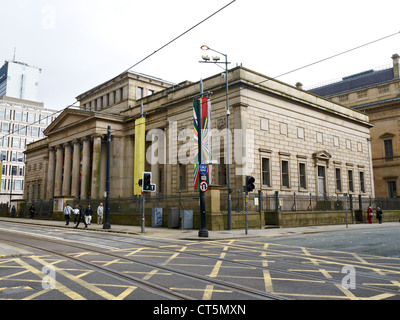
{"type": "Point", "coordinates": [375, 92]}
{"type": "Point", "coordinates": [288, 139]}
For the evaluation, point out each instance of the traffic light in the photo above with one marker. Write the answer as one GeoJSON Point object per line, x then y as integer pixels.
{"type": "Point", "coordinates": [249, 187]}
{"type": "Point", "coordinates": [146, 182]}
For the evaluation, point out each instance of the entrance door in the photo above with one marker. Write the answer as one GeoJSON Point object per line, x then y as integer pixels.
{"type": "Point", "coordinates": [321, 181]}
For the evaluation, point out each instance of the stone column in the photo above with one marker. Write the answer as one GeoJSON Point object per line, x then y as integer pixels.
{"type": "Point", "coordinates": [58, 177]}
{"type": "Point", "coordinates": [96, 166]}
{"type": "Point", "coordinates": [85, 169]}
{"type": "Point", "coordinates": [66, 186]}
{"type": "Point", "coordinates": [103, 170]}
{"type": "Point", "coordinates": [75, 168]}
{"type": "Point", "coordinates": [50, 177]}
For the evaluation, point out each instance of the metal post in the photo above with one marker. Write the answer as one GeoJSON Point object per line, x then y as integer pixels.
{"type": "Point", "coordinates": [107, 214]}
{"type": "Point", "coordinates": [245, 204]}
{"type": "Point", "coordinates": [228, 146]}
{"type": "Point", "coordinates": [143, 209]}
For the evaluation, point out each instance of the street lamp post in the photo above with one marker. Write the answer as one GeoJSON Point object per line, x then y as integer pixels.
{"type": "Point", "coordinates": [215, 61]}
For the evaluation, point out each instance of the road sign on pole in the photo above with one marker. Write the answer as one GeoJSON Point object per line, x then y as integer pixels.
{"type": "Point", "coordinates": [203, 186]}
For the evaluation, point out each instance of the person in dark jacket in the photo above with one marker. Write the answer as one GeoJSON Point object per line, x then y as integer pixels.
{"type": "Point", "coordinates": [81, 217]}
{"type": "Point", "coordinates": [32, 211]}
{"type": "Point", "coordinates": [379, 214]}
{"type": "Point", "coordinates": [13, 211]}
{"type": "Point", "coordinates": [88, 214]}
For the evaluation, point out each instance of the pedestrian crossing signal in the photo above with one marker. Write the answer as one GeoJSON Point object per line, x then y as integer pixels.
{"type": "Point", "coordinates": [146, 182]}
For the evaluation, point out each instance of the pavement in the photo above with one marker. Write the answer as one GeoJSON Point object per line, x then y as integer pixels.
{"type": "Point", "coordinates": [7, 250]}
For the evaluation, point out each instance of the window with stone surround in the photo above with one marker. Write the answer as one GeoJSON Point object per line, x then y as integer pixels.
{"type": "Point", "coordinates": [302, 176]}
{"type": "Point", "coordinates": [362, 94]}
{"type": "Point", "coordinates": [362, 182]}
{"type": "Point", "coordinates": [351, 182]}
{"type": "Point", "coordinates": [383, 89]}
{"type": "Point", "coordinates": [265, 172]}
{"type": "Point", "coordinates": [285, 174]}
{"type": "Point", "coordinates": [343, 98]}
{"type": "Point", "coordinates": [338, 180]}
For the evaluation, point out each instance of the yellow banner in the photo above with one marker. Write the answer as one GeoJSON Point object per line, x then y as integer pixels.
{"type": "Point", "coordinates": [140, 141]}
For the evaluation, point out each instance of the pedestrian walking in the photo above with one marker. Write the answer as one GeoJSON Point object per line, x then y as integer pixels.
{"type": "Point", "coordinates": [379, 214]}
{"type": "Point", "coordinates": [100, 211]}
{"type": "Point", "coordinates": [369, 214]}
{"type": "Point", "coordinates": [32, 211]}
{"type": "Point", "coordinates": [67, 214]}
{"type": "Point", "coordinates": [13, 211]}
{"type": "Point", "coordinates": [88, 214]}
{"type": "Point", "coordinates": [81, 217]}
{"type": "Point", "coordinates": [76, 214]}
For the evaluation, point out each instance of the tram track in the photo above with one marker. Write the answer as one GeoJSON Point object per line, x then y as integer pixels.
{"type": "Point", "coordinates": [250, 292]}
{"type": "Point", "coordinates": [167, 246]}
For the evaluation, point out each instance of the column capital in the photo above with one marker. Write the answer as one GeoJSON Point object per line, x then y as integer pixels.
{"type": "Point", "coordinates": [76, 141]}
{"type": "Point", "coordinates": [96, 136]}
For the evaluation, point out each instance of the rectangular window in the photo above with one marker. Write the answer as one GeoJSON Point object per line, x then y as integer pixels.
{"type": "Point", "coordinates": [338, 180]}
{"type": "Point", "coordinates": [351, 184]}
{"type": "Point", "coordinates": [388, 150]}
{"type": "Point", "coordinates": [266, 179]}
{"type": "Point", "coordinates": [182, 177]}
{"type": "Point", "coordinates": [18, 116]}
{"type": "Point", "coordinates": [362, 183]}
{"type": "Point", "coordinates": [285, 173]}
{"type": "Point", "coordinates": [302, 176]}
{"type": "Point", "coordinates": [31, 117]}
{"type": "Point", "coordinates": [222, 181]}
{"type": "Point", "coordinates": [300, 133]}
{"type": "Point", "coordinates": [121, 94]}
{"type": "Point", "coordinates": [6, 127]}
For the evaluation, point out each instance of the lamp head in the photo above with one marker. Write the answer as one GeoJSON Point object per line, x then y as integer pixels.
{"type": "Point", "coordinates": [204, 47]}
{"type": "Point", "coordinates": [206, 58]}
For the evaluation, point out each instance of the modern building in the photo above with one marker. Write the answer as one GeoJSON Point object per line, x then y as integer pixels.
{"type": "Point", "coordinates": [19, 80]}
{"type": "Point", "coordinates": [375, 92]}
{"type": "Point", "coordinates": [291, 141]}
{"type": "Point", "coordinates": [21, 122]}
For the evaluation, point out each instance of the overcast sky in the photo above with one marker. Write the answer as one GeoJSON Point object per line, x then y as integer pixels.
{"type": "Point", "coordinates": [80, 44]}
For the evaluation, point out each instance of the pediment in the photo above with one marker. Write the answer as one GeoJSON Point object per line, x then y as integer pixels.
{"type": "Point", "coordinates": [68, 118]}
{"type": "Point", "coordinates": [387, 135]}
{"type": "Point", "coordinates": [322, 155]}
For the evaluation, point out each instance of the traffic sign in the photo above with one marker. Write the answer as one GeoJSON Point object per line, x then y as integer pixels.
{"type": "Point", "coordinates": [203, 186]}
{"type": "Point", "coordinates": [203, 169]}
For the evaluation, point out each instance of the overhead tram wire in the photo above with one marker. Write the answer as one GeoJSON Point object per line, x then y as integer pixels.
{"type": "Point", "coordinates": [223, 97]}
{"type": "Point", "coordinates": [137, 63]}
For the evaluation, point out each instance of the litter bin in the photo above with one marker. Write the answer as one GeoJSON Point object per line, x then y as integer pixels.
{"type": "Point", "coordinates": [173, 218]}
{"type": "Point", "coordinates": [186, 219]}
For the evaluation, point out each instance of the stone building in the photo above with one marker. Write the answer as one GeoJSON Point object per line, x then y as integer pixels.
{"type": "Point", "coordinates": [288, 139]}
{"type": "Point", "coordinates": [377, 94]}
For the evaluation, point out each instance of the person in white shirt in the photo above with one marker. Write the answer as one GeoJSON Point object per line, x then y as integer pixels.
{"type": "Point", "coordinates": [67, 214]}
{"type": "Point", "coordinates": [100, 211]}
